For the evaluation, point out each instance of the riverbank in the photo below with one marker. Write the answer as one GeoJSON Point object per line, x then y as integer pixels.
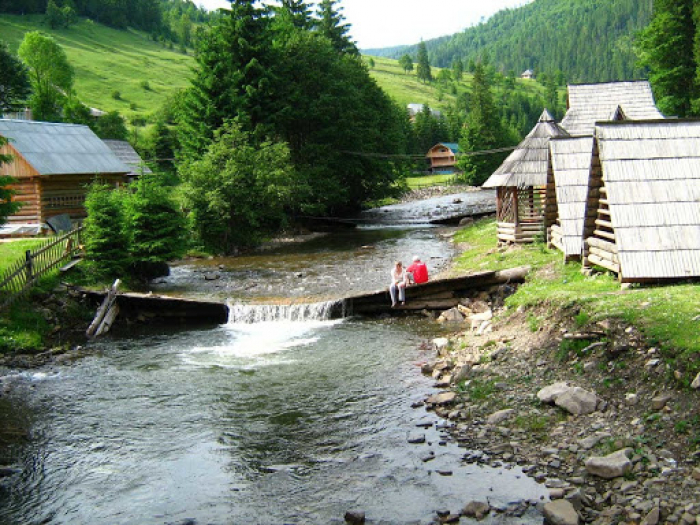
{"type": "Point", "coordinates": [624, 445]}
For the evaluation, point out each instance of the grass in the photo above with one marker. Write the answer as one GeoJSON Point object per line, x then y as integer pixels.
{"type": "Point", "coordinates": [424, 181]}
{"type": "Point", "coordinates": [107, 60]}
{"type": "Point", "coordinates": [669, 316]}
{"type": "Point", "coordinates": [11, 252]}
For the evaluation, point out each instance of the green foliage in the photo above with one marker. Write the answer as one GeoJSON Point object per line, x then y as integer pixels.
{"type": "Point", "coordinates": [111, 126]}
{"type": "Point", "coordinates": [116, 94]}
{"type": "Point", "coordinates": [406, 63]}
{"type": "Point", "coordinates": [331, 24]}
{"type": "Point", "coordinates": [238, 190]}
{"type": "Point", "coordinates": [106, 242]}
{"type": "Point", "coordinates": [14, 79]}
{"type": "Point", "coordinates": [7, 206]}
{"type": "Point", "coordinates": [591, 40]}
{"type": "Point", "coordinates": [155, 226]}
{"type": "Point", "coordinates": [59, 17]}
{"type": "Point", "coordinates": [571, 347]}
{"type": "Point", "coordinates": [480, 390]}
{"type": "Point", "coordinates": [22, 328]}
{"type": "Point", "coordinates": [50, 73]}
{"type": "Point", "coordinates": [423, 71]}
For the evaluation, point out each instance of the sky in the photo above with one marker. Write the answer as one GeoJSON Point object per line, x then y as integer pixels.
{"type": "Point", "coordinates": [388, 23]}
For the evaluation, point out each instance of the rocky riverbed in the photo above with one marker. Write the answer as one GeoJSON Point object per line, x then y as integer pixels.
{"type": "Point", "coordinates": [594, 413]}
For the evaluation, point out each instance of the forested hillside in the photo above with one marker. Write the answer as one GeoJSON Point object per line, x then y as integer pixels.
{"type": "Point", "coordinates": [588, 40]}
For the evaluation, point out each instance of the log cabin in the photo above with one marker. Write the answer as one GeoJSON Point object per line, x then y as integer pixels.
{"type": "Point", "coordinates": [591, 103]}
{"type": "Point", "coordinates": [567, 193]}
{"type": "Point", "coordinates": [442, 157]}
{"type": "Point", "coordinates": [53, 165]}
{"type": "Point", "coordinates": [521, 182]}
{"type": "Point", "coordinates": [643, 209]}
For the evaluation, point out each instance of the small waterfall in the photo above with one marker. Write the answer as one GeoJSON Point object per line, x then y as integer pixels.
{"type": "Point", "coordinates": [271, 313]}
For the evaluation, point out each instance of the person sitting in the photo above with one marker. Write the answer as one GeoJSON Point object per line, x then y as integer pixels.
{"type": "Point", "coordinates": [418, 271]}
{"type": "Point", "coordinates": [398, 282]}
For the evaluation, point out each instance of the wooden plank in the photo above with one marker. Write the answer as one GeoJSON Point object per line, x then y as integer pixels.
{"type": "Point", "coordinates": [603, 263]}
{"type": "Point", "coordinates": [602, 245]}
{"type": "Point", "coordinates": [604, 234]}
{"type": "Point", "coordinates": [604, 224]}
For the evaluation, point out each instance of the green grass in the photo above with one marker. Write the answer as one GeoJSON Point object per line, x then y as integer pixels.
{"type": "Point", "coordinates": [430, 180]}
{"type": "Point", "coordinates": [107, 60]}
{"type": "Point", "coordinates": [665, 314]}
{"type": "Point", "coordinates": [11, 252]}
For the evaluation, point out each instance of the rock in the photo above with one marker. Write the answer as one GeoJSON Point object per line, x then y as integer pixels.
{"type": "Point", "coordinates": [560, 512]}
{"type": "Point", "coordinates": [440, 344]}
{"type": "Point", "coordinates": [577, 401]}
{"type": "Point", "coordinates": [453, 315]}
{"type": "Point", "coordinates": [631, 399]}
{"type": "Point", "coordinates": [696, 474]}
{"type": "Point", "coordinates": [550, 393]}
{"type": "Point", "coordinates": [696, 382]}
{"type": "Point", "coordinates": [499, 417]}
{"type": "Point", "coordinates": [462, 374]}
{"type": "Point", "coordinates": [443, 398]}
{"type": "Point", "coordinates": [611, 466]}
{"type": "Point", "coordinates": [652, 518]}
{"type": "Point", "coordinates": [591, 441]}
{"type": "Point", "coordinates": [466, 221]}
{"type": "Point", "coordinates": [416, 439]}
{"type": "Point", "coordinates": [476, 509]}
{"type": "Point", "coordinates": [659, 402]}
{"type": "Point", "coordinates": [355, 517]}
{"type": "Point", "coordinates": [427, 368]}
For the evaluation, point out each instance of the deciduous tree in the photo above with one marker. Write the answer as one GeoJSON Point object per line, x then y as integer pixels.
{"type": "Point", "coordinates": [406, 63]}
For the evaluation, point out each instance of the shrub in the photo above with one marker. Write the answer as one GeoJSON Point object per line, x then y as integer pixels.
{"type": "Point", "coordinates": [105, 240]}
{"type": "Point", "coordinates": [116, 95]}
{"type": "Point", "coordinates": [145, 85]}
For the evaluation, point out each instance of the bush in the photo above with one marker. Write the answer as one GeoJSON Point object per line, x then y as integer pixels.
{"type": "Point", "coordinates": [145, 85]}
{"type": "Point", "coordinates": [116, 95]}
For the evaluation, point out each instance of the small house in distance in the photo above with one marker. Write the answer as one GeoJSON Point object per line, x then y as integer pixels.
{"type": "Point", "coordinates": [591, 103]}
{"type": "Point", "coordinates": [643, 210]}
{"type": "Point", "coordinates": [521, 183]}
{"type": "Point", "coordinates": [442, 157]}
{"type": "Point", "coordinates": [567, 193]}
{"type": "Point", "coordinates": [128, 155]}
{"type": "Point", "coordinates": [528, 74]}
{"type": "Point", "coordinates": [414, 109]}
{"type": "Point", "coordinates": [53, 165]}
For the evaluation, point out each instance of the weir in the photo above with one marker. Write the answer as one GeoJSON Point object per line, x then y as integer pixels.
{"type": "Point", "coordinates": [266, 313]}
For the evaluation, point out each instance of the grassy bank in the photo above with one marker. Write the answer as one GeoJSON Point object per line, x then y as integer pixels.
{"type": "Point", "coordinates": [669, 316]}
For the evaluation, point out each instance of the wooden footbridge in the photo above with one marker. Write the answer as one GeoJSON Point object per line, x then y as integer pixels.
{"type": "Point", "coordinates": [438, 294]}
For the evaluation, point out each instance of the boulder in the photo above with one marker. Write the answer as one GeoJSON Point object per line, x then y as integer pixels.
{"type": "Point", "coordinates": [476, 509]}
{"type": "Point", "coordinates": [659, 402]}
{"type": "Point", "coordinates": [462, 374]}
{"type": "Point", "coordinates": [652, 518]}
{"type": "Point", "coordinates": [577, 401]}
{"type": "Point", "coordinates": [560, 512]}
{"type": "Point", "coordinates": [611, 466]}
{"type": "Point", "coordinates": [443, 398]}
{"type": "Point", "coordinates": [549, 394]}
{"type": "Point", "coordinates": [355, 517]}
{"type": "Point", "coordinates": [696, 382]}
{"type": "Point", "coordinates": [453, 315]}
{"type": "Point", "coordinates": [499, 417]}
{"type": "Point", "coordinates": [440, 344]}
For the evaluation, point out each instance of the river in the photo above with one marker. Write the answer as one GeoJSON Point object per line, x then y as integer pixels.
{"type": "Point", "coordinates": [249, 423]}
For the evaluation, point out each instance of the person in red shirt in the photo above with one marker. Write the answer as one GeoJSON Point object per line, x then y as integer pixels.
{"type": "Point", "coordinates": [418, 271]}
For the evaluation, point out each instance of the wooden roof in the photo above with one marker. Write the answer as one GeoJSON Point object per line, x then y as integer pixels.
{"type": "Point", "coordinates": [571, 167]}
{"type": "Point", "coordinates": [591, 103]}
{"type": "Point", "coordinates": [128, 155]}
{"type": "Point", "coordinates": [651, 171]}
{"type": "Point", "coordinates": [527, 165]}
{"type": "Point", "coordinates": [60, 149]}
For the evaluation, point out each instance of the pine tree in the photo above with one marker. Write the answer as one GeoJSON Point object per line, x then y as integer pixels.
{"type": "Point", "coordinates": [457, 69]}
{"type": "Point", "coordinates": [331, 24]}
{"type": "Point", "coordinates": [423, 70]}
{"type": "Point", "coordinates": [7, 206]}
{"type": "Point", "coordinates": [299, 13]}
{"type": "Point", "coordinates": [483, 131]}
{"type": "Point", "coordinates": [14, 79]}
{"type": "Point", "coordinates": [106, 242]}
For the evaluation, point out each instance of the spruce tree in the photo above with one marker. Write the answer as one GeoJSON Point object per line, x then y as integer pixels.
{"type": "Point", "coordinates": [106, 244]}
{"type": "Point", "coordinates": [423, 70]}
{"type": "Point", "coordinates": [298, 12]}
{"type": "Point", "coordinates": [14, 79]}
{"type": "Point", "coordinates": [7, 206]}
{"type": "Point", "coordinates": [331, 24]}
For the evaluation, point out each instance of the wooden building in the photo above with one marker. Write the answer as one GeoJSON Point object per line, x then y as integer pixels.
{"type": "Point", "coordinates": [521, 183]}
{"type": "Point", "coordinates": [567, 193]}
{"type": "Point", "coordinates": [129, 156]}
{"type": "Point", "coordinates": [643, 210]}
{"type": "Point", "coordinates": [528, 74]}
{"type": "Point", "coordinates": [54, 164]}
{"type": "Point", "coordinates": [591, 103]}
{"type": "Point", "coordinates": [442, 157]}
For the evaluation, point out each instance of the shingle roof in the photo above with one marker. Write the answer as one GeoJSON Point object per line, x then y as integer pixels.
{"type": "Point", "coordinates": [571, 164]}
{"type": "Point", "coordinates": [527, 165]}
{"type": "Point", "coordinates": [651, 171]}
{"type": "Point", "coordinates": [60, 149]}
{"type": "Point", "coordinates": [591, 103]}
{"type": "Point", "coordinates": [128, 155]}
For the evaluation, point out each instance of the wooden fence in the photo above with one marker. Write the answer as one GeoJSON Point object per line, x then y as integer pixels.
{"type": "Point", "coordinates": [22, 275]}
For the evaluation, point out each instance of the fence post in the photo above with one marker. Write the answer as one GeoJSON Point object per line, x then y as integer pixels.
{"type": "Point", "coordinates": [30, 266]}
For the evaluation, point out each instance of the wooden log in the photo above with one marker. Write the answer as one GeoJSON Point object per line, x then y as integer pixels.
{"type": "Point", "coordinates": [103, 310]}
{"type": "Point", "coordinates": [108, 320]}
{"type": "Point", "coordinates": [602, 245]}
{"type": "Point", "coordinates": [604, 234]}
{"type": "Point", "coordinates": [592, 259]}
{"type": "Point", "coordinates": [604, 224]}
{"type": "Point", "coordinates": [612, 257]}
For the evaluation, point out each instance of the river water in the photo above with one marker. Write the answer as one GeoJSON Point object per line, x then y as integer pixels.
{"type": "Point", "coordinates": [249, 423]}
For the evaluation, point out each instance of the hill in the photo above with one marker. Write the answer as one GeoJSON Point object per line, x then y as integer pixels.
{"type": "Point", "coordinates": [108, 60]}
{"type": "Point", "coordinates": [589, 40]}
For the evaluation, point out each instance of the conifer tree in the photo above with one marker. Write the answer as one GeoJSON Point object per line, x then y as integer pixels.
{"type": "Point", "coordinates": [423, 70]}
{"type": "Point", "coordinates": [7, 206]}
{"type": "Point", "coordinates": [14, 79]}
{"type": "Point", "coordinates": [299, 13]}
{"type": "Point", "coordinates": [457, 69]}
{"type": "Point", "coordinates": [331, 24]}
{"type": "Point", "coordinates": [106, 241]}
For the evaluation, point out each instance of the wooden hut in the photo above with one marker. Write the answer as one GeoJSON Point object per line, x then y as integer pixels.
{"type": "Point", "coordinates": [643, 211]}
{"type": "Point", "coordinates": [129, 156]}
{"type": "Point", "coordinates": [442, 157]}
{"type": "Point", "coordinates": [53, 164]}
{"type": "Point", "coordinates": [591, 103]}
{"type": "Point", "coordinates": [521, 184]}
{"type": "Point", "coordinates": [567, 193]}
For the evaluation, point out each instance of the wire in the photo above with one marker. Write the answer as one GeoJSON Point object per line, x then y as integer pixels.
{"type": "Point", "coordinates": [389, 156]}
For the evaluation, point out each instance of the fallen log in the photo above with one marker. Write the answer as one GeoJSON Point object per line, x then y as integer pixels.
{"type": "Point", "coordinates": [106, 313]}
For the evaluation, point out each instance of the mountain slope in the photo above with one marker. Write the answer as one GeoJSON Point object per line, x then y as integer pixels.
{"type": "Point", "coordinates": [589, 40]}
{"type": "Point", "coordinates": [108, 60]}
